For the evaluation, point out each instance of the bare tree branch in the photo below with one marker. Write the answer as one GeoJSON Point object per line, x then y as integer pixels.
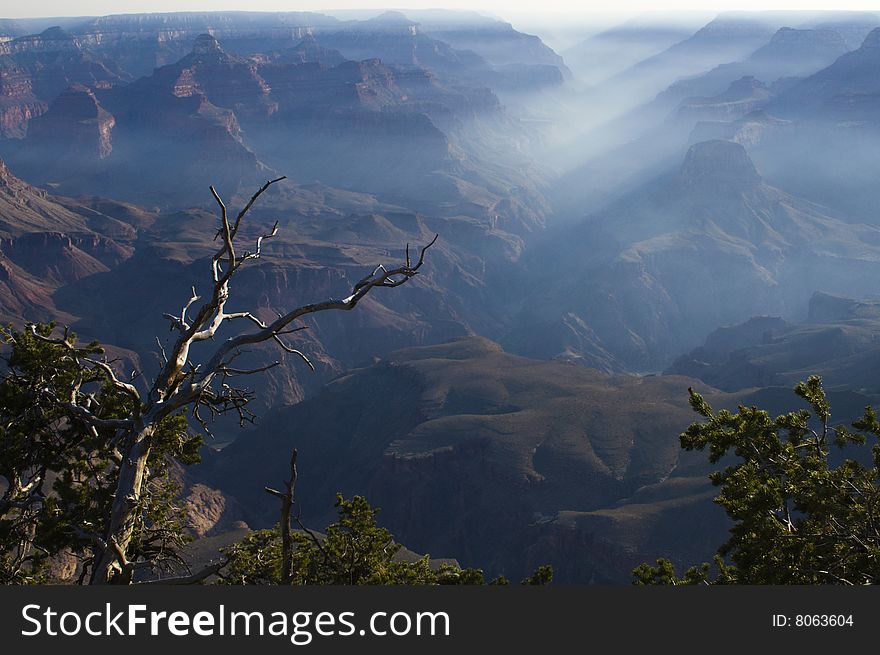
{"type": "Point", "coordinates": [286, 505]}
{"type": "Point", "coordinates": [253, 199]}
{"type": "Point", "coordinates": [194, 578]}
{"type": "Point", "coordinates": [229, 371]}
{"type": "Point", "coordinates": [83, 414]}
{"type": "Point", "coordinates": [206, 388]}
{"type": "Point", "coordinates": [126, 388]}
{"type": "Point", "coordinates": [380, 277]}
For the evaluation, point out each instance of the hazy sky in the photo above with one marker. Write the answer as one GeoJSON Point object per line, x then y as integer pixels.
{"type": "Point", "coordinates": [503, 8]}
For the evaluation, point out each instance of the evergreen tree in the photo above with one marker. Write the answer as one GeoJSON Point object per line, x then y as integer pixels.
{"type": "Point", "coordinates": [60, 473]}
{"type": "Point", "coordinates": [797, 517]}
{"type": "Point", "coordinates": [354, 551]}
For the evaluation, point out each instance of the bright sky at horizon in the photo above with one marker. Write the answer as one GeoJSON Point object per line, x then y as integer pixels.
{"type": "Point", "coordinates": [502, 8]}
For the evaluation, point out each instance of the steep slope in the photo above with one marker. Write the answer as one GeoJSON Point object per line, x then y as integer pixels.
{"type": "Point", "coordinates": [753, 129]}
{"type": "Point", "coordinates": [226, 80]}
{"type": "Point", "coordinates": [72, 138]}
{"type": "Point", "coordinates": [18, 104]}
{"type": "Point", "coordinates": [358, 125]}
{"type": "Point", "coordinates": [635, 144]}
{"type": "Point", "coordinates": [308, 50]}
{"type": "Point", "coordinates": [789, 53]}
{"type": "Point", "coordinates": [111, 270]}
{"type": "Point", "coordinates": [501, 461]}
{"type": "Point", "coordinates": [853, 26]}
{"type": "Point", "coordinates": [494, 40]}
{"type": "Point", "coordinates": [853, 74]}
{"type": "Point", "coordinates": [727, 38]}
{"type": "Point", "coordinates": [831, 155]}
{"type": "Point", "coordinates": [75, 117]}
{"type": "Point", "coordinates": [710, 245]}
{"type": "Point", "coordinates": [45, 244]}
{"type": "Point", "coordinates": [838, 341]}
{"type": "Point", "coordinates": [478, 454]}
{"type": "Point", "coordinates": [512, 58]}
{"type": "Point", "coordinates": [611, 51]}
{"type": "Point", "coordinates": [24, 208]}
{"type": "Point", "coordinates": [742, 97]}
{"type": "Point", "coordinates": [622, 132]}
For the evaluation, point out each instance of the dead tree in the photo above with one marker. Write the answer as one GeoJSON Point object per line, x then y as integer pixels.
{"type": "Point", "coordinates": [286, 498]}
{"type": "Point", "coordinates": [209, 386]}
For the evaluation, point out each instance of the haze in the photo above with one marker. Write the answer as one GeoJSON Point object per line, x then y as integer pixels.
{"type": "Point", "coordinates": [506, 9]}
{"type": "Point", "coordinates": [627, 206]}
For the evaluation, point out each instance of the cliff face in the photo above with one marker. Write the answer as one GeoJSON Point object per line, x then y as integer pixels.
{"type": "Point", "coordinates": [157, 137]}
{"type": "Point", "coordinates": [52, 257]}
{"type": "Point", "coordinates": [76, 125]}
{"type": "Point", "coordinates": [413, 119]}
{"type": "Point", "coordinates": [370, 126]}
{"type": "Point", "coordinates": [21, 295]}
{"type": "Point", "coordinates": [750, 131]}
{"type": "Point", "coordinates": [395, 138]}
{"type": "Point", "coordinates": [813, 48]}
{"type": "Point", "coordinates": [411, 152]}
{"type": "Point", "coordinates": [364, 125]}
{"type": "Point", "coordinates": [39, 67]}
{"type": "Point", "coordinates": [139, 43]}
{"type": "Point", "coordinates": [227, 81]}
{"type": "Point", "coordinates": [18, 104]}
{"type": "Point", "coordinates": [712, 165]}
{"type": "Point", "coordinates": [143, 42]}
{"type": "Point", "coordinates": [741, 98]}
{"type": "Point", "coordinates": [368, 83]}
{"type": "Point", "coordinates": [308, 50]}
{"type": "Point", "coordinates": [495, 41]}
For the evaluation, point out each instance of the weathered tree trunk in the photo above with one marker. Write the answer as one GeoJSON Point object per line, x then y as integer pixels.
{"type": "Point", "coordinates": [286, 540]}
{"type": "Point", "coordinates": [132, 471]}
{"type": "Point", "coordinates": [286, 506]}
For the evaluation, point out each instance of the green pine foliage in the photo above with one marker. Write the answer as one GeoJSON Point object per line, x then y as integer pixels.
{"type": "Point", "coordinates": [59, 475]}
{"type": "Point", "coordinates": [353, 551]}
{"type": "Point", "coordinates": [797, 517]}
